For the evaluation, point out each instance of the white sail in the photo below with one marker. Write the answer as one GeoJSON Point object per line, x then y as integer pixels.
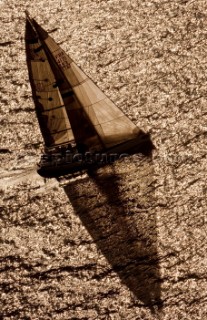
{"type": "Point", "coordinates": [111, 124]}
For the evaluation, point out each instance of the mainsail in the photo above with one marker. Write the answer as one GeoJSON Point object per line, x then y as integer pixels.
{"type": "Point", "coordinates": [99, 123]}
{"type": "Point", "coordinates": [50, 109]}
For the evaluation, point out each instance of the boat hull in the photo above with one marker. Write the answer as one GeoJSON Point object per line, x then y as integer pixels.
{"type": "Point", "coordinates": [88, 161]}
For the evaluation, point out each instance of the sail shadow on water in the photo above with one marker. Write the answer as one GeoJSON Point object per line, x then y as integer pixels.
{"type": "Point", "coordinates": [117, 212]}
{"type": "Point", "coordinates": [76, 117]}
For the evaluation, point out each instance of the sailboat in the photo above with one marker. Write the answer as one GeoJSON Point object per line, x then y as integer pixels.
{"type": "Point", "coordinates": [80, 125]}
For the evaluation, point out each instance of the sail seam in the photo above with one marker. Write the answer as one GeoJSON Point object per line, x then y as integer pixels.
{"type": "Point", "coordinates": [100, 123]}
{"type": "Point", "coordinates": [92, 104]}
{"type": "Point", "coordinates": [60, 131]}
{"type": "Point", "coordinates": [75, 86]}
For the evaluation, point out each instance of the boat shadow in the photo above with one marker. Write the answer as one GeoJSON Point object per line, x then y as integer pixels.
{"type": "Point", "coordinates": [115, 204]}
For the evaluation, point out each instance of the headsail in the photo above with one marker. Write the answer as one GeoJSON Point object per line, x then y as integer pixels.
{"type": "Point", "coordinates": [50, 109]}
{"type": "Point", "coordinates": [112, 126]}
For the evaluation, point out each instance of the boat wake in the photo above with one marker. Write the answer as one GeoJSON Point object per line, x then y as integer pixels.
{"type": "Point", "coordinates": [14, 177]}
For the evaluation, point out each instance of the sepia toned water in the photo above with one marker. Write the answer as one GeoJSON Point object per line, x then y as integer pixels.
{"type": "Point", "coordinates": [127, 241]}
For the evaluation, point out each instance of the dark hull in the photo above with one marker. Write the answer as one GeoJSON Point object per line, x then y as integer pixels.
{"type": "Point", "coordinates": [140, 144]}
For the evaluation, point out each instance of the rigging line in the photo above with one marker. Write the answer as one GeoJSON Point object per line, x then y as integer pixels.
{"type": "Point", "coordinates": [58, 107]}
